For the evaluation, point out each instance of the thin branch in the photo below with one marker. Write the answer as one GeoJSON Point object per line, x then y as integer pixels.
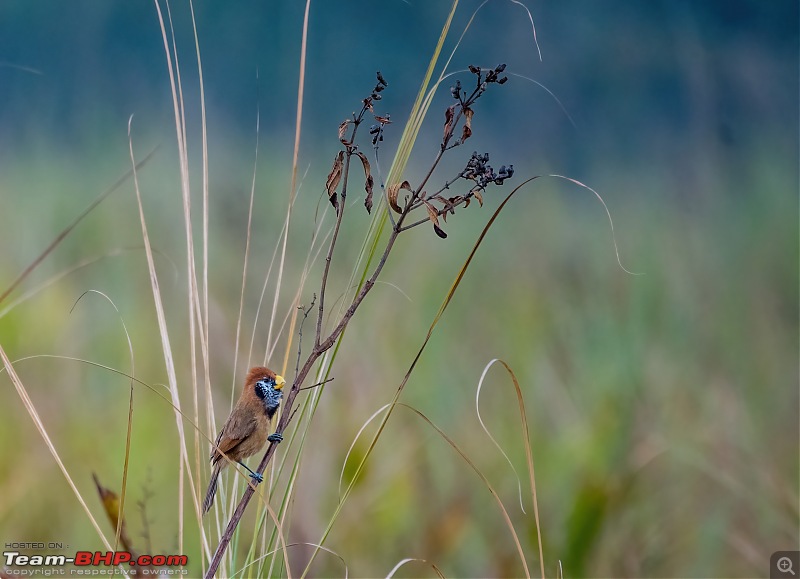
{"type": "Point", "coordinates": [288, 403]}
{"type": "Point", "coordinates": [368, 285]}
{"type": "Point", "coordinates": [339, 216]}
{"type": "Point", "coordinates": [329, 256]}
{"type": "Point", "coordinates": [316, 385]}
{"type": "Point", "coordinates": [300, 333]}
{"type": "Point", "coordinates": [410, 206]}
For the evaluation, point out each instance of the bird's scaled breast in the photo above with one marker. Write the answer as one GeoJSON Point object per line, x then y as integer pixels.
{"type": "Point", "coordinates": [272, 400]}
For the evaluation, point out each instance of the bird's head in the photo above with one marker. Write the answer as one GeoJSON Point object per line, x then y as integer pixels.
{"type": "Point", "coordinates": [267, 385]}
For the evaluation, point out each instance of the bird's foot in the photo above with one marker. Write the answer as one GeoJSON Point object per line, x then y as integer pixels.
{"type": "Point", "coordinates": [257, 477]}
{"type": "Point", "coordinates": [275, 437]}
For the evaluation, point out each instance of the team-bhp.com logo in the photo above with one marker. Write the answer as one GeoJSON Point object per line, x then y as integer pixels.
{"type": "Point", "coordinates": [94, 559]}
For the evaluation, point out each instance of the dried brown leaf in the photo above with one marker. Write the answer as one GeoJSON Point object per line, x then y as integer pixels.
{"type": "Point", "coordinates": [446, 206]}
{"type": "Point", "coordinates": [343, 130]}
{"type": "Point", "coordinates": [449, 114]}
{"type": "Point", "coordinates": [439, 199]}
{"type": "Point", "coordinates": [333, 179]}
{"type": "Point", "coordinates": [450, 206]}
{"type": "Point", "coordinates": [479, 196]}
{"type": "Point", "coordinates": [369, 181]}
{"type": "Point", "coordinates": [466, 132]}
{"type": "Point", "coordinates": [433, 215]}
{"type": "Point", "coordinates": [393, 191]}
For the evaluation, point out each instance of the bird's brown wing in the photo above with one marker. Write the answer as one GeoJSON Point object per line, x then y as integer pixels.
{"type": "Point", "coordinates": [233, 432]}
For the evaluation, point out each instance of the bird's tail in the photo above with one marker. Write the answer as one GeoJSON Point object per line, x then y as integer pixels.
{"type": "Point", "coordinates": [212, 488]}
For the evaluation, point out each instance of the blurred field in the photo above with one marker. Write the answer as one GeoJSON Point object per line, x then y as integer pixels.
{"type": "Point", "coordinates": [663, 407]}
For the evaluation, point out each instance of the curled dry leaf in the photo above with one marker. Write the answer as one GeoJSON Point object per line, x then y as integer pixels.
{"type": "Point", "coordinates": [433, 215]}
{"type": "Point", "coordinates": [333, 179]}
{"type": "Point", "coordinates": [449, 115]}
{"type": "Point", "coordinates": [448, 205]}
{"type": "Point", "coordinates": [478, 196]}
{"type": "Point", "coordinates": [466, 133]}
{"type": "Point", "coordinates": [393, 191]}
{"type": "Point", "coordinates": [369, 181]}
{"type": "Point", "coordinates": [343, 129]}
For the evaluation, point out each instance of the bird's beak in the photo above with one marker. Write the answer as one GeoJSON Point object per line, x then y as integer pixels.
{"type": "Point", "coordinates": [279, 382]}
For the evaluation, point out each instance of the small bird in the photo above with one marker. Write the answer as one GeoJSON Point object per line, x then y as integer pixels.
{"type": "Point", "coordinates": [245, 432]}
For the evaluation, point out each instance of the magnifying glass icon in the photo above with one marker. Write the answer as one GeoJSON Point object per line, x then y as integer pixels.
{"type": "Point", "coordinates": [784, 565]}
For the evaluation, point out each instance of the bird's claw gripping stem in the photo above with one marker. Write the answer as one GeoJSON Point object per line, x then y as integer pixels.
{"type": "Point", "coordinates": [275, 437]}
{"type": "Point", "coordinates": [257, 477]}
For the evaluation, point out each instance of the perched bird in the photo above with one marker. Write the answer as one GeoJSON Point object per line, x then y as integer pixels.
{"type": "Point", "coordinates": [247, 428]}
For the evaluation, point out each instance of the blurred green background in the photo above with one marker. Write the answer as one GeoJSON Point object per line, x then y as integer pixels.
{"type": "Point", "coordinates": [663, 407]}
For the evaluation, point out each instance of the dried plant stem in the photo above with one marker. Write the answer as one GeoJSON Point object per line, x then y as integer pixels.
{"type": "Point", "coordinates": [320, 347]}
{"type": "Point", "coordinates": [329, 256]}
{"type": "Point", "coordinates": [305, 311]}
{"type": "Point", "coordinates": [288, 403]}
{"type": "Point", "coordinates": [341, 174]}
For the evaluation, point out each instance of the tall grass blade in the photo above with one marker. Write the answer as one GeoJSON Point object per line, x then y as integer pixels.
{"type": "Point", "coordinates": [485, 481]}
{"type": "Point", "coordinates": [489, 434]}
{"type": "Point", "coordinates": [37, 422]}
{"type": "Point", "coordinates": [165, 344]}
{"type": "Point", "coordinates": [528, 454]}
{"type": "Point", "coordinates": [68, 229]}
{"type": "Point", "coordinates": [410, 560]}
{"type": "Point", "coordinates": [123, 493]}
